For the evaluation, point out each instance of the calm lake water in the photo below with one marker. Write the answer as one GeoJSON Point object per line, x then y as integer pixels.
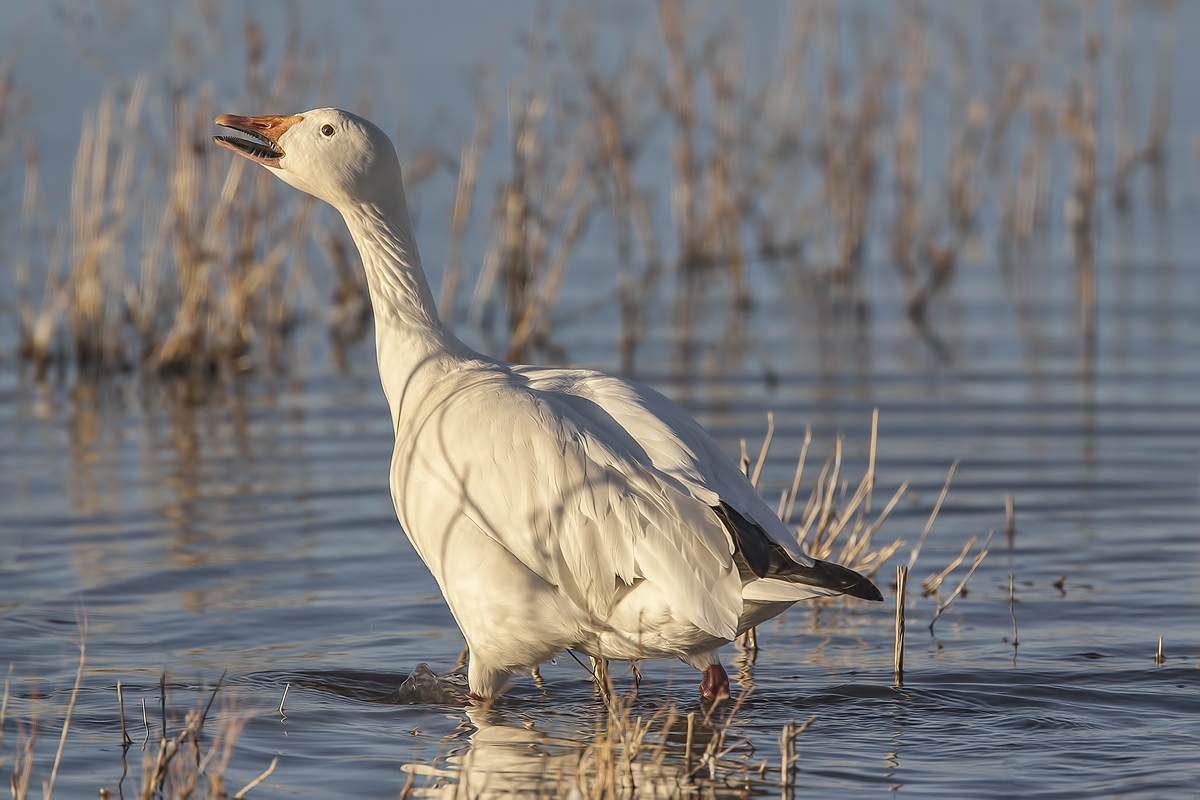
{"type": "Point", "coordinates": [249, 532]}
{"type": "Point", "coordinates": [255, 535]}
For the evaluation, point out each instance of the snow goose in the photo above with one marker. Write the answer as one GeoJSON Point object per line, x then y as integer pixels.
{"type": "Point", "coordinates": [556, 508]}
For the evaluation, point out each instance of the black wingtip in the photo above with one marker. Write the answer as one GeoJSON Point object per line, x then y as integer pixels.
{"type": "Point", "coordinates": [829, 575]}
{"type": "Point", "coordinates": [852, 583]}
{"type": "Point", "coordinates": [750, 541]}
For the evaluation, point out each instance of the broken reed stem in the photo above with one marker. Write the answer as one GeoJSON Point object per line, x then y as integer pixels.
{"type": "Point", "coordinates": [934, 581]}
{"type": "Point", "coordinates": [284, 700]}
{"type": "Point", "coordinates": [787, 748]}
{"type": "Point", "coordinates": [762, 453]}
{"type": "Point", "coordinates": [162, 703]}
{"type": "Point", "coordinates": [1009, 518]}
{"type": "Point", "coordinates": [1011, 611]}
{"type": "Point", "coordinates": [983, 551]}
{"type": "Point", "coordinates": [258, 780]}
{"type": "Point", "coordinates": [1158, 657]}
{"type": "Point", "coordinates": [4, 702]}
{"type": "Point", "coordinates": [898, 651]}
{"type": "Point", "coordinates": [48, 790]}
{"type": "Point", "coordinates": [791, 501]}
{"type": "Point", "coordinates": [163, 774]}
{"type": "Point", "coordinates": [146, 722]}
{"type": "Point", "coordinates": [813, 507]}
{"type": "Point", "coordinates": [787, 751]}
{"type": "Point", "coordinates": [211, 698]}
{"type": "Point", "coordinates": [827, 506]}
{"type": "Point", "coordinates": [870, 479]}
{"type": "Point", "coordinates": [912, 559]}
{"type": "Point", "coordinates": [125, 740]}
{"type": "Point", "coordinates": [687, 748]}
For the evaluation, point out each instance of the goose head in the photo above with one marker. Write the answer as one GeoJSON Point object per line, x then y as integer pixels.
{"type": "Point", "coordinates": [333, 155]}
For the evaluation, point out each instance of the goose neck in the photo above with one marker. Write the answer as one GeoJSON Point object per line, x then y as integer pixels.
{"type": "Point", "coordinates": [412, 345]}
{"type": "Point", "coordinates": [400, 294]}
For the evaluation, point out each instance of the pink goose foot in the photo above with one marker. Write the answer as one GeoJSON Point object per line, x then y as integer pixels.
{"type": "Point", "coordinates": [715, 685]}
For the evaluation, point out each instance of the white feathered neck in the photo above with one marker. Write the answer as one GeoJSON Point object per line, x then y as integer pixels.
{"type": "Point", "coordinates": [409, 336]}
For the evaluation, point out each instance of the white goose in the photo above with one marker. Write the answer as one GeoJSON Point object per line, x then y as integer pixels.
{"type": "Point", "coordinates": [557, 508]}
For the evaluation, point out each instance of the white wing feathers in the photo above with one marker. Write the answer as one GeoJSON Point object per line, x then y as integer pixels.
{"type": "Point", "coordinates": [581, 499]}
{"type": "Point", "coordinates": [674, 442]}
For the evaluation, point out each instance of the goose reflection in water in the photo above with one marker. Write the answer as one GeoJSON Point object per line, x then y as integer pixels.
{"type": "Point", "coordinates": [506, 755]}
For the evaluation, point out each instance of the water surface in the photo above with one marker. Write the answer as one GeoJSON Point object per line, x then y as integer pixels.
{"type": "Point", "coordinates": [253, 534]}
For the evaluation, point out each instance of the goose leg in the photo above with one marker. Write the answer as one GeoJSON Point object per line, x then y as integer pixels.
{"type": "Point", "coordinates": [715, 684]}
{"type": "Point", "coordinates": [486, 682]}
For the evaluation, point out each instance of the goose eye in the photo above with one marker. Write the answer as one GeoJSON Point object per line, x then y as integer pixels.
{"type": "Point", "coordinates": [327, 130]}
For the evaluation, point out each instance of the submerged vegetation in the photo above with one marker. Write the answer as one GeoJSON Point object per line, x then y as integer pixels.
{"type": "Point", "coordinates": [677, 157]}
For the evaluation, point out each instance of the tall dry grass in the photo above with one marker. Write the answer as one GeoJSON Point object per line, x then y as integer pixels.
{"type": "Point", "coordinates": [815, 159]}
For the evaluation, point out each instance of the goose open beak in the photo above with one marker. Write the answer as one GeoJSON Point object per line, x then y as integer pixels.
{"type": "Point", "coordinates": [264, 132]}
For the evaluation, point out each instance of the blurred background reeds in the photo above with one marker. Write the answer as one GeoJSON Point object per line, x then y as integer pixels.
{"type": "Point", "coordinates": [670, 158]}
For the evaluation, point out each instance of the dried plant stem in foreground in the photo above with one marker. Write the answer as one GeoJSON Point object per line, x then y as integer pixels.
{"type": "Point", "coordinates": [942, 606]}
{"type": "Point", "coordinates": [180, 765]}
{"type": "Point", "coordinates": [916, 551]}
{"type": "Point", "coordinates": [1009, 518]}
{"type": "Point", "coordinates": [4, 704]}
{"type": "Point", "coordinates": [762, 452]}
{"type": "Point", "coordinates": [62, 740]}
{"type": "Point", "coordinates": [898, 648]}
{"type": "Point", "coordinates": [934, 581]}
{"type": "Point", "coordinates": [146, 722]}
{"type": "Point", "coordinates": [22, 769]}
{"type": "Point", "coordinates": [787, 748]}
{"type": "Point", "coordinates": [125, 739]}
{"type": "Point", "coordinates": [1012, 612]}
{"type": "Point", "coordinates": [266, 773]}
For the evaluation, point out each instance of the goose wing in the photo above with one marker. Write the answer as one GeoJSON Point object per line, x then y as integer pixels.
{"type": "Point", "coordinates": [682, 452]}
{"type": "Point", "coordinates": [574, 498]}
{"type": "Point", "coordinates": [673, 443]}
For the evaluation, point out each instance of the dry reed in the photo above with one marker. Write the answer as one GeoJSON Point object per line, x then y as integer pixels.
{"type": "Point", "coordinates": [189, 765]}
{"type": "Point", "coordinates": [28, 726]}
{"type": "Point", "coordinates": [782, 164]}
{"type": "Point", "coordinates": [898, 649]}
{"type": "Point", "coordinates": [1012, 612]}
{"type": "Point", "coordinates": [183, 765]}
{"type": "Point", "coordinates": [962, 585]}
